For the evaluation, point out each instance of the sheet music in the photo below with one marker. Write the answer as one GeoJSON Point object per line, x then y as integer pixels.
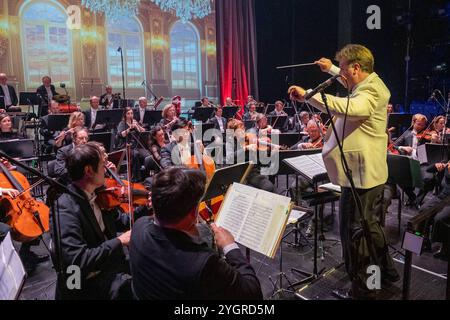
{"type": "Point", "coordinates": [309, 165]}
{"type": "Point", "coordinates": [12, 273]}
{"type": "Point", "coordinates": [330, 187]}
{"type": "Point", "coordinates": [255, 218]}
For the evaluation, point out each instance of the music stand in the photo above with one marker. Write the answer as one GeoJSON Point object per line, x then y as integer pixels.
{"type": "Point", "coordinates": [103, 138]}
{"type": "Point", "coordinates": [277, 122]}
{"type": "Point", "coordinates": [431, 153]}
{"type": "Point", "coordinates": [229, 112]}
{"type": "Point", "coordinates": [57, 122]}
{"type": "Point", "coordinates": [401, 122]}
{"type": "Point", "coordinates": [269, 109]}
{"type": "Point", "coordinates": [116, 157]}
{"type": "Point", "coordinates": [152, 117]}
{"type": "Point", "coordinates": [286, 139]}
{"type": "Point", "coordinates": [290, 111]}
{"type": "Point", "coordinates": [404, 171]}
{"type": "Point", "coordinates": [203, 113]}
{"type": "Point", "coordinates": [31, 99]}
{"type": "Point", "coordinates": [111, 118]}
{"type": "Point", "coordinates": [23, 148]}
{"type": "Point", "coordinates": [259, 109]}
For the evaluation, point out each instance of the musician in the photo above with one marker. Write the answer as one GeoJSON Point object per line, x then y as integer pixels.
{"type": "Point", "coordinates": [178, 151]}
{"type": "Point", "coordinates": [251, 114]}
{"type": "Point", "coordinates": [238, 151]}
{"type": "Point", "coordinates": [127, 132]}
{"type": "Point", "coordinates": [49, 136]}
{"type": "Point", "coordinates": [364, 141]}
{"type": "Point", "coordinates": [205, 103]}
{"type": "Point", "coordinates": [229, 102]}
{"type": "Point", "coordinates": [407, 144]}
{"type": "Point", "coordinates": [8, 96]}
{"type": "Point", "coordinates": [437, 128]}
{"type": "Point", "coordinates": [88, 235]}
{"type": "Point", "coordinates": [176, 102]}
{"type": "Point", "coordinates": [46, 90]}
{"type": "Point", "coordinates": [390, 108]}
{"type": "Point", "coordinates": [156, 143]}
{"type": "Point", "coordinates": [76, 119]}
{"type": "Point", "coordinates": [313, 140]}
{"type": "Point", "coordinates": [169, 259]}
{"type": "Point", "coordinates": [107, 99]}
{"type": "Point", "coordinates": [6, 129]}
{"type": "Point", "coordinates": [139, 112]}
{"type": "Point", "coordinates": [279, 112]}
{"type": "Point", "coordinates": [300, 126]}
{"type": "Point", "coordinates": [90, 116]}
{"type": "Point", "coordinates": [169, 118]}
{"type": "Point", "coordinates": [262, 127]}
{"type": "Point", "coordinates": [80, 136]}
{"type": "Point", "coordinates": [220, 123]}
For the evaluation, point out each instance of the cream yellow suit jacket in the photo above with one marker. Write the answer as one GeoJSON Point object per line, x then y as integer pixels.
{"type": "Point", "coordinates": [365, 138]}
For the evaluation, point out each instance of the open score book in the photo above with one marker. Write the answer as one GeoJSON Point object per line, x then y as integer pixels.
{"type": "Point", "coordinates": [256, 218]}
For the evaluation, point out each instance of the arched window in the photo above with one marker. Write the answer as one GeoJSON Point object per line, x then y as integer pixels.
{"type": "Point", "coordinates": [126, 34]}
{"type": "Point", "coordinates": [184, 54]}
{"type": "Point", "coordinates": [46, 44]}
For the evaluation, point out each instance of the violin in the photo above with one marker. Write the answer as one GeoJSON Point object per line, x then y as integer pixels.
{"type": "Point", "coordinates": [114, 194]}
{"type": "Point", "coordinates": [425, 136]}
{"type": "Point", "coordinates": [263, 143]}
{"type": "Point", "coordinates": [27, 217]}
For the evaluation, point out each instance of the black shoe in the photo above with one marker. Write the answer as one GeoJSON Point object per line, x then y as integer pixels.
{"type": "Point", "coordinates": [343, 294]}
{"type": "Point", "coordinates": [390, 275]}
{"type": "Point", "coordinates": [441, 255]}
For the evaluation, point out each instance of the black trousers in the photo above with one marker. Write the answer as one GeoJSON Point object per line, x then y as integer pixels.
{"type": "Point", "coordinates": [350, 224]}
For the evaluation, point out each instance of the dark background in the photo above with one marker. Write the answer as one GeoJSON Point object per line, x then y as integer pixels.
{"type": "Point", "coordinates": [294, 31]}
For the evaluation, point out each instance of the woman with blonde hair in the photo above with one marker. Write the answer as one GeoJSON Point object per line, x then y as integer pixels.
{"type": "Point", "coordinates": [65, 137]}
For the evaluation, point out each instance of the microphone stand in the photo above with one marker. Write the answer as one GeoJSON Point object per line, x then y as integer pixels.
{"type": "Point", "coordinates": [123, 74]}
{"type": "Point", "coordinates": [55, 217]}
{"type": "Point", "coordinates": [364, 232]}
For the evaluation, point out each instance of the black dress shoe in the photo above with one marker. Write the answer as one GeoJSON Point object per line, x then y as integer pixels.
{"type": "Point", "coordinates": [343, 294]}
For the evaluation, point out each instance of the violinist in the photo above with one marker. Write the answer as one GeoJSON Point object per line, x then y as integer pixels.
{"type": "Point", "coordinates": [176, 102]}
{"type": "Point", "coordinates": [262, 127]}
{"type": "Point", "coordinates": [229, 102]}
{"type": "Point", "coordinates": [206, 103]}
{"type": "Point", "coordinates": [88, 235]}
{"type": "Point", "coordinates": [240, 148]}
{"type": "Point", "coordinates": [314, 140]}
{"type": "Point", "coordinates": [407, 144]}
{"type": "Point", "coordinates": [301, 123]}
{"type": "Point", "coordinates": [153, 162]}
{"type": "Point", "coordinates": [169, 118]}
{"type": "Point", "coordinates": [139, 112]}
{"type": "Point", "coordinates": [437, 129]}
{"type": "Point", "coordinates": [178, 151]}
{"type": "Point", "coordinates": [76, 119]}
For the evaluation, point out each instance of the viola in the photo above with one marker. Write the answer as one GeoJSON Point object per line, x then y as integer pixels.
{"type": "Point", "coordinates": [27, 217]}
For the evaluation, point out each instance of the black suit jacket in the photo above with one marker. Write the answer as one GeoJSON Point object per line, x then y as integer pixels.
{"type": "Point", "coordinates": [285, 126]}
{"type": "Point", "coordinates": [45, 132]}
{"type": "Point", "coordinates": [83, 244]}
{"type": "Point", "coordinates": [216, 123]}
{"type": "Point", "coordinates": [43, 92]}
{"type": "Point", "coordinates": [60, 166]}
{"type": "Point", "coordinates": [167, 264]}
{"type": "Point", "coordinates": [12, 95]}
{"type": "Point", "coordinates": [406, 140]}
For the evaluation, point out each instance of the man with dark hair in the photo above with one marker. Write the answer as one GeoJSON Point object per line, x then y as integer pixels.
{"type": "Point", "coordinates": [169, 261]}
{"type": "Point", "coordinates": [177, 152]}
{"type": "Point", "coordinates": [220, 123]}
{"type": "Point", "coordinates": [88, 235]}
{"type": "Point", "coordinates": [46, 91]}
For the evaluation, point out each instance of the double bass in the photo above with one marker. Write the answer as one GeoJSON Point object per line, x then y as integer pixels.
{"type": "Point", "coordinates": [27, 217]}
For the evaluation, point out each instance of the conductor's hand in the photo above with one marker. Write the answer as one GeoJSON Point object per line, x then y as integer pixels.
{"type": "Point", "coordinates": [324, 64]}
{"type": "Point", "coordinates": [223, 237]}
{"type": "Point", "coordinates": [297, 93]}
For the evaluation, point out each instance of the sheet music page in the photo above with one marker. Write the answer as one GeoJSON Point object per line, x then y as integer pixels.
{"type": "Point", "coordinates": [307, 165]}
{"type": "Point", "coordinates": [256, 218]}
{"type": "Point", "coordinates": [12, 273]}
{"type": "Point", "coordinates": [317, 158]}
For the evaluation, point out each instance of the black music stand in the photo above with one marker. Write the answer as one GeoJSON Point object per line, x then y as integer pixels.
{"type": "Point", "coordinates": [203, 113]}
{"type": "Point", "coordinates": [277, 122]}
{"type": "Point", "coordinates": [57, 122]}
{"type": "Point", "coordinates": [116, 157]}
{"type": "Point", "coordinates": [229, 112]}
{"type": "Point", "coordinates": [401, 122]}
{"type": "Point", "coordinates": [152, 117]}
{"type": "Point", "coordinates": [286, 139]}
{"type": "Point", "coordinates": [103, 138]}
{"type": "Point", "coordinates": [23, 148]}
{"type": "Point", "coordinates": [31, 99]}
{"type": "Point", "coordinates": [269, 108]}
{"type": "Point", "coordinates": [433, 153]}
{"type": "Point", "coordinates": [290, 111]}
{"type": "Point", "coordinates": [259, 109]}
{"type": "Point", "coordinates": [404, 171]}
{"type": "Point", "coordinates": [110, 118]}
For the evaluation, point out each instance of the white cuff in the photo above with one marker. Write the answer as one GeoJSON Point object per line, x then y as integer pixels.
{"type": "Point", "coordinates": [334, 70]}
{"type": "Point", "coordinates": [230, 247]}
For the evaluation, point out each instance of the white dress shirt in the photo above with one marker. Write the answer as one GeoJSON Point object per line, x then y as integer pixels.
{"type": "Point", "coordinates": [141, 114]}
{"type": "Point", "coordinates": [49, 93]}
{"type": "Point", "coordinates": [93, 116]}
{"type": "Point", "coordinates": [96, 209]}
{"type": "Point", "coordinates": [219, 120]}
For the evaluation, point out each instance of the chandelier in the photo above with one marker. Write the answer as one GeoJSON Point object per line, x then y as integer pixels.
{"type": "Point", "coordinates": [186, 9]}
{"type": "Point", "coordinates": [113, 9]}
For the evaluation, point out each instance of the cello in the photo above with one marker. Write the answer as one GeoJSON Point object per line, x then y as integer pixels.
{"type": "Point", "coordinates": [27, 217]}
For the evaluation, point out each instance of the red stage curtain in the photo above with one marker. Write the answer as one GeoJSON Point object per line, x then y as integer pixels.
{"type": "Point", "coordinates": [236, 50]}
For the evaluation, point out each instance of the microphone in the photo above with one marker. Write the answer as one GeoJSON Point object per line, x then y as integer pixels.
{"type": "Point", "coordinates": [321, 87]}
{"type": "Point", "coordinates": [119, 49]}
{"type": "Point", "coordinates": [143, 83]}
